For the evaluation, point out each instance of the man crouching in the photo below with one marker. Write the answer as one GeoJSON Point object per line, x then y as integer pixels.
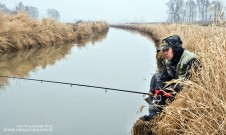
{"type": "Point", "coordinates": [176, 65]}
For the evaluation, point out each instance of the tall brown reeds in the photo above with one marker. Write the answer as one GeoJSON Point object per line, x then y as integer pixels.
{"type": "Point", "coordinates": [20, 32]}
{"type": "Point", "coordinates": [201, 106]}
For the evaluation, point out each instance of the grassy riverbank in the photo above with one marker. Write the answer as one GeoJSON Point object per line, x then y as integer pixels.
{"type": "Point", "coordinates": [201, 107]}
{"type": "Point", "coordinates": [21, 32]}
{"type": "Point", "coordinates": [20, 63]}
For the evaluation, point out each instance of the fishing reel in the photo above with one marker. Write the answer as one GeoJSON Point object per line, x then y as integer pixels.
{"type": "Point", "coordinates": [157, 97]}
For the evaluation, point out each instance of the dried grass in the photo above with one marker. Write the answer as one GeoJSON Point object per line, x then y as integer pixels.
{"type": "Point", "coordinates": [201, 107]}
{"type": "Point", "coordinates": [21, 32]}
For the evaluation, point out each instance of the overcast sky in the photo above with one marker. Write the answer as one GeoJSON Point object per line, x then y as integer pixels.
{"type": "Point", "coordinates": [108, 10]}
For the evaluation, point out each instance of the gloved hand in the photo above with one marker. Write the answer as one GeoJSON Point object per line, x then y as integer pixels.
{"type": "Point", "coordinates": [167, 95]}
{"type": "Point", "coordinates": [151, 94]}
{"type": "Point", "coordinates": [156, 92]}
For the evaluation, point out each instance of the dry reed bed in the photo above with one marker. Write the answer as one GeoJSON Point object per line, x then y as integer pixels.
{"type": "Point", "coordinates": [21, 32]}
{"type": "Point", "coordinates": [201, 107]}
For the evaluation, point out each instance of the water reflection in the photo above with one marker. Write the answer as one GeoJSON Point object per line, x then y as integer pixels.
{"type": "Point", "coordinates": [159, 55]}
{"type": "Point", "coordinates": [121, 61]}
{"type": "Point", "coordinates": [135, 31]}
{"type": "Point", "coordinates": [20, 63]}
{"type": "Point", "coordinates": [96, 38]}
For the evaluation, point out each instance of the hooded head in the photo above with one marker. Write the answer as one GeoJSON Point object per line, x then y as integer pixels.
{"type": "Point", "coordinates": [172, 41]}
{"type": "Point", "coordinates": [175, 43]}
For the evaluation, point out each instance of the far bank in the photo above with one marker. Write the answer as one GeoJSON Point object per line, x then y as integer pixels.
{"type": "Point", "coordinates": [22, 32]}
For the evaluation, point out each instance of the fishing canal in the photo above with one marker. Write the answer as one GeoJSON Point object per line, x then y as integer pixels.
{"type": "Point", "coordinates": [120, 59]}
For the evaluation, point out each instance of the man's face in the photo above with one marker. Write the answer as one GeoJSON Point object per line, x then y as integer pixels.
{"type": "Point", "coordinates": [168, 53]}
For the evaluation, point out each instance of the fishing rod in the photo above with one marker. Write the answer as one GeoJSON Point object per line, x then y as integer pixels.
{"type": "Point", "coordinates": [76, 84]}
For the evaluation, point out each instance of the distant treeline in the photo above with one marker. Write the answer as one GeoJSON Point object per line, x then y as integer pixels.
{"type": "Point", "coordinates": [195, 10]}
{"type": "Point", "coordinates": [30, 10]}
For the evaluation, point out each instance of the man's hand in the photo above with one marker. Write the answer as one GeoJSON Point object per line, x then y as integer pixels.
{"type": "Point", "coordinates": [157, 92]}
{"type": "Point", "coordinates": [151, 94]}
{"type": "Point", "coordinates": [167, 95]}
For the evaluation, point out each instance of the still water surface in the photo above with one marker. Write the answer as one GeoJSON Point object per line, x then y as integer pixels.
{"type": "Point", "coordinates": [122, 60]}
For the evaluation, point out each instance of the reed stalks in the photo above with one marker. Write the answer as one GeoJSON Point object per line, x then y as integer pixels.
{"type": "Point", "coordinates": [200, 108]}
{"type": "Point", "coordinates": [21, 32]}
